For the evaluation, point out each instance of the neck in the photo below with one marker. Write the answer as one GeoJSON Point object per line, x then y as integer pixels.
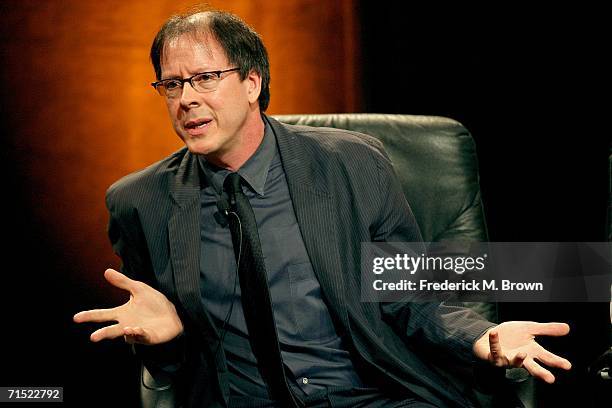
{"type": "Point", "coordinates": [245, 145]}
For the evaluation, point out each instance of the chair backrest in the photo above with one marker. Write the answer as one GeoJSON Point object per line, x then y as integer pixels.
{"type": "Point", "coordinates": [435, 160]}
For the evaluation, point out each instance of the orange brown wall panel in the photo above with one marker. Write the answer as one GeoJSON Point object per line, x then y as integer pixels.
{"type": "Point", "coordinates": [78, 111]}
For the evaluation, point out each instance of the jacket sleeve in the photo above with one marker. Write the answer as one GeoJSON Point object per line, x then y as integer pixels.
{"type": "Point", "coordinates": [453, 329]}
{"type": "Point", "coordinates": [128, 242]}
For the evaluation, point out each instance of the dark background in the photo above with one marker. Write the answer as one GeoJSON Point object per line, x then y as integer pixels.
{"type": "Point", "coordinates": [529, 84]}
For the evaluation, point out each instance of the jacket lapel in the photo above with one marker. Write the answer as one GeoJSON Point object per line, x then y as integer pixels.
{"type": "Point", "coordinates": [316, 216]}
{"type": "Point", "coordinates": [184, 242]}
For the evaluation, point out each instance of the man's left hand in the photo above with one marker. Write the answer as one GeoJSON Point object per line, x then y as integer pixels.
{"type": "Point", "coordinates": [512, 344]}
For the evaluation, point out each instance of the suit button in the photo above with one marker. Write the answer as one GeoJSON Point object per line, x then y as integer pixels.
{"type": "Point", "coordinates": [304, 380]}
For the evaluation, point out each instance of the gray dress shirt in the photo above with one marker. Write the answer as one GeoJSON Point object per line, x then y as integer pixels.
{"type": "Point", "coordinates": [311, 348]}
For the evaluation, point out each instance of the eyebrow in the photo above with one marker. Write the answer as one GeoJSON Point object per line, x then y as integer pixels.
{"type": "Point", "coordinates": [195, 73]}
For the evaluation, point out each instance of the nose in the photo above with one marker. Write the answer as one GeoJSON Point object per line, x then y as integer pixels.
{"type": "Point", "coordinates": [190, 98]}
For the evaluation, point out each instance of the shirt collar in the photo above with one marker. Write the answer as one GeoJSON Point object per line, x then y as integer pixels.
{"type": "Point", "coordinates": [254, 171]}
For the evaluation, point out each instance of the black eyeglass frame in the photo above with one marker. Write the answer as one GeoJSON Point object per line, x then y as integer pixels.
{"type": "Point", "coordinates": [190, 79]}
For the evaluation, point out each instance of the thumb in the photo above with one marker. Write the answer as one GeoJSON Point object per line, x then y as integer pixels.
{"type": "Point", "coordinates": [551, 329]}
{"type": "Point", "coordinates": [119, 280]}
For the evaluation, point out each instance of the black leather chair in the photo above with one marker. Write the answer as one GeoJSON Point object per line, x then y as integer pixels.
{"type": "Point", "coordinates": [435, 159]}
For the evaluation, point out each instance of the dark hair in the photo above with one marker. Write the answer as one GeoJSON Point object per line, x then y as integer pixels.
{"type": "Point", "coordinates": [242, 45]}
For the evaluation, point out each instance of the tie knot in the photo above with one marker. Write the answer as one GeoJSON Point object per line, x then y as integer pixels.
{"type": "Point", "coordinates": [232, 183]}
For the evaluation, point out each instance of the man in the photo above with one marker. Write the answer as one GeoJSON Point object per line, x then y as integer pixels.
{"type": "Point", "coordinates": [311, 196]}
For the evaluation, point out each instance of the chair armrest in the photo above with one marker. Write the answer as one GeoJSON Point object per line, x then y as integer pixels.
{"type": "Point", "coordinates": [156, 389]}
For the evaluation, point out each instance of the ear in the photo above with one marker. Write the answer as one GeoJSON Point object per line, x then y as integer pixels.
{"type": "Point", "coordinates": [253, 82]}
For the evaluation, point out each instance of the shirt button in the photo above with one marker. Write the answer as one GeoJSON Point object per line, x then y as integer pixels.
{"type": "Point", "coordinates": [304, 380]}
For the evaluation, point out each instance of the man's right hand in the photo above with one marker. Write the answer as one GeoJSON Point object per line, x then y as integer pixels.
{"type": "Point", "coordinates": [147, 318]}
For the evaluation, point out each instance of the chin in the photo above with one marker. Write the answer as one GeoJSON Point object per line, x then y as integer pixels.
{"type": "Point", "coordinates": [201, 148]}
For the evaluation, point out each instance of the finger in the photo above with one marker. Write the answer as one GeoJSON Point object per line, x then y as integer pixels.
{"type": "Point", "coordinates": [133, 331]}
{"type": "Point", "coordinates": [135, 335]}
{"type": "Point", "coordinates": [96, 315]}
{"type": "Point", "coordinates": [119, 280]}
{"type": "Point", "coordinates": [550, 329]}
{"type": "Point", "coordinates": [553, 360]}
{"type": "Point", "coordinates": [108, 332]}
{"type": "Point", "coordinates": [538, 371]}
{"type": "Point", "coordinates": [497, 355]}
{"type": "Point", "coordinates": [129, 335]}
{"type": "Point", "coordinates": [518, 360]}
{"type": "Point", "coordinates": [134, 339]}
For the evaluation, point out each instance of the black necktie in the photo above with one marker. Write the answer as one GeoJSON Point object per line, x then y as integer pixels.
{"type": "Point", "coordinates": [255, 295]}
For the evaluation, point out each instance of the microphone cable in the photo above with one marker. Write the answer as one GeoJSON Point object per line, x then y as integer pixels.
{"type": "Point", "coordinates": [224, 208]}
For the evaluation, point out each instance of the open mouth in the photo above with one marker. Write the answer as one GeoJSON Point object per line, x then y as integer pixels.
{"type": "Point", "coordinates": [197, 124]}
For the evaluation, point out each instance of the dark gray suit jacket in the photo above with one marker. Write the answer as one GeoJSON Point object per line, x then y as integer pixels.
{"type": "Point", "coordinates": [344, 192]}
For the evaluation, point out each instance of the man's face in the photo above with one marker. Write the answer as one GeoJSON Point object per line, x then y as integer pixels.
{"type": "Point", "coordinates": [212, 123]}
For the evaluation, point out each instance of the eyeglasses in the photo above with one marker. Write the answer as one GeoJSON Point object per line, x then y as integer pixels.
{"type": "Point", "coordinates": [202, 82]}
